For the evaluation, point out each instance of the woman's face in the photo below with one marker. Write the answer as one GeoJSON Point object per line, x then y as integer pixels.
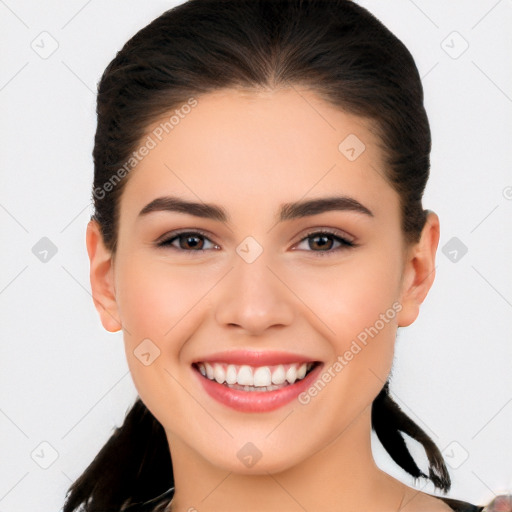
{"type": "Point", "coordinates": [243, 294]}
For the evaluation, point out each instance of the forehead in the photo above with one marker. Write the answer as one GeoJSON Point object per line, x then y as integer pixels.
{"type": "Point", "coordinates": [277, 145]}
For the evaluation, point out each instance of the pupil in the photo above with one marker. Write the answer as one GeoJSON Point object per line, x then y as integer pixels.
{"type": "Point", "coordinates": [324, 241]}
{"type": "Point", "coordinates": [193, 241]}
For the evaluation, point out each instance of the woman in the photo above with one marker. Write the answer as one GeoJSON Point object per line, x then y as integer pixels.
{"type": "Point", "coordinates": [259, 237]}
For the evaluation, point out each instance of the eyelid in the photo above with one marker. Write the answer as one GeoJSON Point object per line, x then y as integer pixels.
{"type": "Point", "coordinates": [328, 231]}
{"type": "Point", "coordinates": [164, 240]}
{"type": "Point", "coordinates": [174, 233]}
{"type": "Point", "coordinates": [346, 240]}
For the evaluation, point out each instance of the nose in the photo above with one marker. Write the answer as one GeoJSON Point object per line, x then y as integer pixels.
{"type": "Point", "coordinates": [254, 298]}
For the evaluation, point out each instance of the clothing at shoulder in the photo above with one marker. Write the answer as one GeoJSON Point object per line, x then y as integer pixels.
{"type": "Point", "coordinates": [158, 504]}
{"type": "Point", "coordinates": [461, 506]}
{"type": "Point", "coordinates": [500, 504]}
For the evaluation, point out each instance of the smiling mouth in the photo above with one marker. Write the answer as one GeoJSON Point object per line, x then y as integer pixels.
{"type": "Point", "coordinates": [255, 378]}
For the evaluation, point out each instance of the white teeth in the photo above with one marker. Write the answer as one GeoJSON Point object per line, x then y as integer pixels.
{"type": "Point", "coordinates": [279, 375]}
{"type": "Point", "coordinates": [209, 370]}
{"type": "Point", "coordinates": [291, 375]}
{"type": "Point", "coordinates": [247, 378]}
{"type": "Point", "coordinates": [262, 377]}
{"type": "Point", "coordinates": [301, 372]}
{"type": "Point", "coordinates": [231, 374]}
{"type": "Point", "coordinates": [219, 373]}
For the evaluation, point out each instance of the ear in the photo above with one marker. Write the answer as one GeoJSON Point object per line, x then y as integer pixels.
{"type": "Point", "coordinates": [102, 278]}
{"type": "Point", "coordinates": [419, 271]}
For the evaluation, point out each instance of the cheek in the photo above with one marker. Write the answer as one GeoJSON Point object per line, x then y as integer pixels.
{"type": "Point", "coordinates": [154, 299]}
{"type": "Point", "coordinates": [359, 305]}
{"type": "Point", "coordinates": [354, 298]}
{"type": "Point", "coordinates": [159, 311]}
{"type": "Point", "coordinates": [160, 307]}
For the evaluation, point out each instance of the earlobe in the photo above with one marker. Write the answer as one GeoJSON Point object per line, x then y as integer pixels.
{"type": "Point", "coordinates": [101, 277]}
{"type": "Point", "coordinates": [419, 271]}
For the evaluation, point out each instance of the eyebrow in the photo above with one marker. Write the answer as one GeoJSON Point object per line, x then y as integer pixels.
{"type": "Point", "coordinates": [288, 211]}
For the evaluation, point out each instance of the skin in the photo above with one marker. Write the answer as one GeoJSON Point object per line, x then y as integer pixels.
{"type": "Point", "coordinates": [250, 152]}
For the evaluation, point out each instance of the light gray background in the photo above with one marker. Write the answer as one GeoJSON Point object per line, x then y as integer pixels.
{"type": "Point", "coordinates": [64, 381]}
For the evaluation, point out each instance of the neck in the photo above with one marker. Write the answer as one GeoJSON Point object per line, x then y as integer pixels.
{"type": "Point", "coordinates": [340, 476]}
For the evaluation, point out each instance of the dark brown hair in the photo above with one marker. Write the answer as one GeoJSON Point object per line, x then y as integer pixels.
{"type": "Point", "coordinates": [333, 47]}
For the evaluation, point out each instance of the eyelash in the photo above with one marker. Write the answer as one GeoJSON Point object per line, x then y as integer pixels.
{"type": "Point", "coordinates": [344, 242]}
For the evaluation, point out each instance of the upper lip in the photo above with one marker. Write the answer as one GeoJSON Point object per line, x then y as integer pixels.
{"type": "Point", "coordinates": [255, 358]}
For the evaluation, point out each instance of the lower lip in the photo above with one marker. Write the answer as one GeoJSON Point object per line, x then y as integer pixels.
{"type": "Point", "coordinates": [257, 401]}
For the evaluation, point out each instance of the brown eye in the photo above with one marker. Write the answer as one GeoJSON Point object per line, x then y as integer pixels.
{"type": "Point", "coordinates": [188, 241]}
{"type": "Point", "coordinates": [193, 242]}
{"type": "Point", "coordinates": [322, 242]}
{"type": "Point", "coordinates": [325, 242]}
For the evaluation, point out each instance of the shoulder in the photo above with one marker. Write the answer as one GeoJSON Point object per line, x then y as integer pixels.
{"type": "Point", "coordinates": [157, 504]}
{"type": "Point", "coordinates": [501, 503]}
{"type": "Point", "coordinates": [417, 501]}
